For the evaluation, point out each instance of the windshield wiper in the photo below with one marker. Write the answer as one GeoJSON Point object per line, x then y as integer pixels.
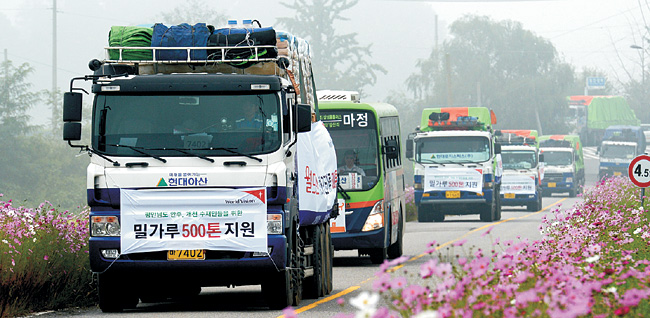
{"type": "Point", "coordinates": [188, 153]}
{"type": "Point", "coordinates": [432, 161]}
{"type": "Point", "coordinates": [232, 151]}
{"type": "Point", "coordinates": [137, 149]}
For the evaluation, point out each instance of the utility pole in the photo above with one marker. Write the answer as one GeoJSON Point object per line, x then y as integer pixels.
{"type": "Point", "coordinates": [450, 100]}
{"type": "Point", "coordinates": [6, 88]}
{"type": "Point", "coordinates": [55, 111]}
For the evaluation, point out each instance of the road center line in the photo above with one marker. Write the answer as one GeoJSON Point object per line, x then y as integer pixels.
{"type": "Point", "coordinates": [394, 268]}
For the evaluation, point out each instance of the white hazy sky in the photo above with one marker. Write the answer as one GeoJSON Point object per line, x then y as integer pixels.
{"type": "Point", "coordinates": [587, 33]}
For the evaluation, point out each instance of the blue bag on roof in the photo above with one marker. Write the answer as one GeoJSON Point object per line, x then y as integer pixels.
{"type": "Point", "coordinates": [182, 35]}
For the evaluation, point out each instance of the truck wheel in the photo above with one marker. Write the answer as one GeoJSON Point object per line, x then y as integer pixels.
{"type": "Point", "coordinates": [113, 296]}
{"type": "Point", "coordinates": [488, 211]}
{"type": "Point", "coordinates": [425, 213]}
{"type": "Point", "coordinates": [313, 287]}
{"type": "Point", "coordinates": [284, 288]}
{"type": "Point", "coordinates": [497, 212]}
{"type": "Point", "coordinates": [329, 260]}
{"type": "Point", "coordinates": [437, 215]}
{"type": "Point", "coordinates": [572, 193]}
{"type": "Point", "coordinates": [378, 255]}
{"type": "Point", "coordinates": [396, 249]}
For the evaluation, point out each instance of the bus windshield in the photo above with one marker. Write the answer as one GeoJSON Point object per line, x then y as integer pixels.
{"type": "Point", "coordinates": [518, 159]}
{"type": "Point", "coordinates": [354, 133]}
{"type": "Point", "coordinates": [186, 125]}
{"type": "Point", "coordinates": [452, 149]}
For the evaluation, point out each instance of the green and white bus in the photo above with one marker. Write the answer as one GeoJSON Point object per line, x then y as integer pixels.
{"type": "Point", "coordinates": [366, 137]}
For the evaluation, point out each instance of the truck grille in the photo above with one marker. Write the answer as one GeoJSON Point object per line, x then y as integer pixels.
{"type": "Point", "coordinates": [553, 177]}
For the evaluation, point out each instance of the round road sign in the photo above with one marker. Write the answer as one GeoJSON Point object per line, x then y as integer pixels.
{"type": "Point", "coordinates": [639, 171]}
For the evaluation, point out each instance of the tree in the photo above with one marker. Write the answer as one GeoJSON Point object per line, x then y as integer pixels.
{"type": "Point", "coordinates": [192, 12]}
{"type": "Point", "coordinates": [16, 99]}
{"type": "Point", "coordinates": [339, 61]}
{"type": "Point", "coordinates": [499, 65]}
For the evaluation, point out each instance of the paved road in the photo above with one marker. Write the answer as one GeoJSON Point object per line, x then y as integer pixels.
{"type": "Point", "coordinates": [353, 274]}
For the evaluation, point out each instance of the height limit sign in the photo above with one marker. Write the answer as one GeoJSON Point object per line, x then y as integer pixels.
{"type": "Point", "coordinates": [639, 173]}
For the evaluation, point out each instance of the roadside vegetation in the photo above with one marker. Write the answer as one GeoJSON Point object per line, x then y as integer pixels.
{"type": "Point", "coordinates": [591, 262]}
{"type": "Point", "coordinates": [43, 259]}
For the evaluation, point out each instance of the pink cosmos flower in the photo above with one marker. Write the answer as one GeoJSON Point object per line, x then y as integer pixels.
{"type": "Point", "coordinates": [46, 257]}
{"type": "Point", "coordinates": [289, 312]}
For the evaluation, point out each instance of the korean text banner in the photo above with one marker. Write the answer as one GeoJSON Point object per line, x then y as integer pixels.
{"type": "Point", "coordinates": [214, 219]}
{"type": "Point", "coordinates": [446, 179]}
{"type": "Point", "coordinates": [317, 176]}
{"type": "Point", "coordinates": [518, 184]}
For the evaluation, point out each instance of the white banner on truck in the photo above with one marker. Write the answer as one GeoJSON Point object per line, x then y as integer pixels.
{"type": "Point", "coordinates": [214, 219]}
{"type": "Point", "coordinates": [447, 179]}
{"type": "Point", "coordinates": [317, 176]}
{"type": "Point", "coordinates": [518, 184]}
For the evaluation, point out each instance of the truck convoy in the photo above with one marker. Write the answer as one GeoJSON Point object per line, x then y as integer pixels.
{"type": "Point", "coordinates": [366, 137]}
{"type": "Point", "coordinates": [457, 164]}
{"type": "Point", "coordinates": [523, 171]}
{"type": "Point", "coordinates": [197, 161]}
{"type": "Point", "coordinates": [591, 115]}
{"type": "Point", "coordinates": [619, 146]}
{"type": "Point", "coordinates": [564, 165]}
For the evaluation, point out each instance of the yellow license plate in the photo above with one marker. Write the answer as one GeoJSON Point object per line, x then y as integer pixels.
{"type": "Point", "coordinates": [551, 184]}
{"type": "Point", "coordinates": [509, 195]}
{"type": "Point", "coordinates": [175, 255]}
{"type": "Point", "coordinates": [452, 194]}
{"type": "Point", "coordinates": [616, 173]}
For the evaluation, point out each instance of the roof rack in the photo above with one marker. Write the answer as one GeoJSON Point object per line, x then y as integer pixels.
{"type": "Point", "coordinates": [555, 143]}
{"type": "Point", "coordinates": [507, 138]}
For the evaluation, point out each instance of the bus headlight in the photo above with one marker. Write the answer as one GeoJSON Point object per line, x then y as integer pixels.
{"type": "Point", "coordinates": [104, 226]}
{"type": "Point", "coordinates": [375, 219]}
{"type": "Point", "coordinates": [274, 223]}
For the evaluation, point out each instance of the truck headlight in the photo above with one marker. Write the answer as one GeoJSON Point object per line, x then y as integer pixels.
{"type": "Point", "coordinates": [104, 226]}
{"type": "Point", "coordinates": [274, 223]}
{"type": "Point", "coordinates": [375, 219]}
{"type": "Point", "coordinates": [569, 179]}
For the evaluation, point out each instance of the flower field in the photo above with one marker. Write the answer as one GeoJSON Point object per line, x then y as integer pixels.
{"type": "Point", "coordinates": [43, 259]}
{"type": "Point", "coordinates": [591, 262]}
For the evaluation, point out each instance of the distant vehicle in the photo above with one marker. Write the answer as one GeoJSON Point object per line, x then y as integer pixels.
{"type": "Point", "coordinates": [564, 165]}
{"type": "Point", "coordinates": [457, 164]}
{"type": "Point", "coordinates": [591, 115]}
{"type": "Point", "coordinates": [646, 132]}
{"type": "Point", "coordinates": [522, 169]}
{"type": "Point", "coordinates": [619, 146]}
{"type": "Point", "coordinates": [367, 136]}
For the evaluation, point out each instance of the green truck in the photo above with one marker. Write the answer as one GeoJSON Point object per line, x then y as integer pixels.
{"type": "Point", "coordinates": [591, 115]}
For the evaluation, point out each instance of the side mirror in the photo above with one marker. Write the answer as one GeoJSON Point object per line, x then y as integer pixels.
{"type": "Point", "coordinates": [541, 158]}
{"type": "Point", "coordinates": [304, 118]}
{"type": "Point", "coordinates": [391, 149]}
{"type": "Point", "coordinates": [72, 131]}
{"type": "Point", "coordinates": [497, 149]}
{"type": "Point", "coordinates": [72, 107]}
{"type": "Point", "coordinates": [409, 147]}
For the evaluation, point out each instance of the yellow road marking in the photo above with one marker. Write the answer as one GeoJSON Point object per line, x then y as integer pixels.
{"type": "Point", "coordinates": [394, 268]}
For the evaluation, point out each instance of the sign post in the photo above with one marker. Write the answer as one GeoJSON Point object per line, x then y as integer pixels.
{"type": "Point", "coordinates": [639, 173]}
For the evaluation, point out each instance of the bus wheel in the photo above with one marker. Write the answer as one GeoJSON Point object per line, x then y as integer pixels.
{"type": "Point", "coordinates": [396, 249]}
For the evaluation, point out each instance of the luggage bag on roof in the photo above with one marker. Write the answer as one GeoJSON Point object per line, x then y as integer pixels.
{"type": "Point", "coordinates": [182, 35]}
{"type": "Point", "coordinates": [130, 36]}
{"type": "Point", "coordinates": [236, 37]}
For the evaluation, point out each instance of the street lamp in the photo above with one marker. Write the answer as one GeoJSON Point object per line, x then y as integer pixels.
{"type": "Point", "coordinates": [634, 46]}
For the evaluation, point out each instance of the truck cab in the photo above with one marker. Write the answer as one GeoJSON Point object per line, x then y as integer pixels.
{"type": "Point", "coordinates": [522, 169]}
{"type": "Point", "coordinates": [615, 157]}
{"type": "Point", "coordinates": [563, 164]}
{"type": "Point", "coordinates": [457, 165]}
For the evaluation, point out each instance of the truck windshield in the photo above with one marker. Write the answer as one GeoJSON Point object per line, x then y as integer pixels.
{"type": "Point", "coordinates": [214, 125]}
{"type": "Point", "coordinates": [452, 149]}
{"type": "Point", "coordinates": [617, 151]}
{"type": "Point", "coordinates": [558, 158]}
{"type": "Point", "coordinates": [518, 159]}
{"type": "Point", "coordinates": [354, 134]}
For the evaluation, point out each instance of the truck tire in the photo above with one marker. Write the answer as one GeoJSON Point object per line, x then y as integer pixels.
{"type": "Point", "coordinates": [329, 259]}
{"type": "Point", "coordinates": [313, 287]}
{"type": "Point", "coordinates": [437, 215]}
{"type": "Point", "coordinates": [114, 294]}
{"type": "Point", "coordinates": [425, 213]}
{"type": "Point", "coordinates": [378, 255]}
{"type": "Point", "coordinates": [396, 249]}
{"type": "Point", "coordinates": [284, 288]}
{"type": "Point", "coordinates": [497, 213]}
{"type": "Point", "coordinates": [488, 211]}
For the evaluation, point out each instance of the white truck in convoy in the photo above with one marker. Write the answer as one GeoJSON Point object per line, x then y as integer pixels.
{"type": "Point", "coordinates": [457, 165]}
{"type": "Point", "coordinates": [204, 172]}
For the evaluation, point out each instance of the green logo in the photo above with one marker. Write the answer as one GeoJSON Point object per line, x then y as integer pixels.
{"type": "Point", "coordinates": [162, 183]}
